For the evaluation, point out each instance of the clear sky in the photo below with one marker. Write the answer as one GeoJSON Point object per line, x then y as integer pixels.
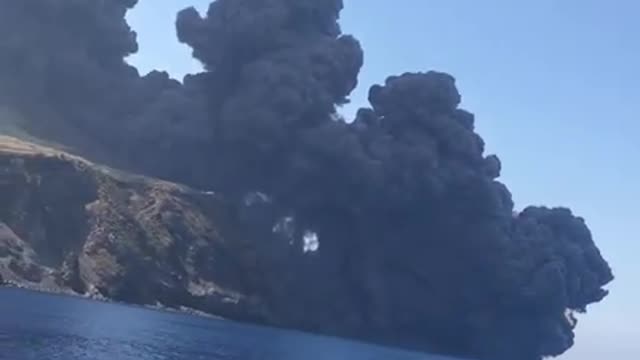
{"type": "Point", "coordinates": [555, 86]}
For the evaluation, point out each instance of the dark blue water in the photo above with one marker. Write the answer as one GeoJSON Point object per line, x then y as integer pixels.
{"type": "Point", "coordinates": [46, 327]}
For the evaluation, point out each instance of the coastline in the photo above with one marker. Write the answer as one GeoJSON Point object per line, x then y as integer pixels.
{"type": "Point", "coordinates": [8, 284]}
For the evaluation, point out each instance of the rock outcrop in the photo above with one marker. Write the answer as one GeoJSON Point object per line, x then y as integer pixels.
{"type": "Point", "coordinates": [67, 225]}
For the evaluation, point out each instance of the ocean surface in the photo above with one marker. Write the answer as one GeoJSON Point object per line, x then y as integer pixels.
{"type": "Point", "coordinates": [36, 326]}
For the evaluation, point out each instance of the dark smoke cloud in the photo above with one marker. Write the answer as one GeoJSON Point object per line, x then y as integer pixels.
{"type": "Point", "coordinates": [276, 68]}
{"type": "Point", "coordinates": [419, 243]}
{"type": "Point", "coordinates": [62, 64]}
{"type": "Point", "coordinates": [58, 53]}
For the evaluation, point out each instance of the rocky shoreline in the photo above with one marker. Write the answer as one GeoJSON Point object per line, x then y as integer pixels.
{"type": "Point", "coordinates": [102, 299]}
{"type": "Point", "coordinates": [70, 227]}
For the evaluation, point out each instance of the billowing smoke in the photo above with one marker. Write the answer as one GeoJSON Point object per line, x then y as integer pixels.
{"type": "Point", "coordinates": [276, 70]}
{"type": "Point", "coordinates": [65, 57]}
{"type": "Point", "coordinates": [415, 242]}
{"type": "Point", "coordinates": [62, 65]}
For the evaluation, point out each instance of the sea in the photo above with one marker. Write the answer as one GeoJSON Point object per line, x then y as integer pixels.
{"type": "Point", "coordinates": [38, 326]}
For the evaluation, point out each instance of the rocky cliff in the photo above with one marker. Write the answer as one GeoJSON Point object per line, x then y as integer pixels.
{"type": "Point", "coordinates": [68, 225]}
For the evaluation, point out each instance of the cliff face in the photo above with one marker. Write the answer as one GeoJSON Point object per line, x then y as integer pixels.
{"type": "Point", "coordinates": [71, 226]}
{"type": "Point", "coordinates": [68, 225]}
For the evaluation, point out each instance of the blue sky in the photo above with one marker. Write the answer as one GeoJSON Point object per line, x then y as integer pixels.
{"type": "Point", "coordinates": [555, 86]}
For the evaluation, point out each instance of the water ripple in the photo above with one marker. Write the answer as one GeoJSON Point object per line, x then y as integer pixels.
{"type": "Point", "coordinates": [45, 327]}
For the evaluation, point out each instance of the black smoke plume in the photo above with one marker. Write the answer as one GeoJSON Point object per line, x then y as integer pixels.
{"type": "Point", "coordinates": [66, 57]}
{"type": "Point", "coordinates": [62, 65]}
{"type": "Point", "coordinates": [419, 243]}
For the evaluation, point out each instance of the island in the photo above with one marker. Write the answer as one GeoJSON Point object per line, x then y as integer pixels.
{"type": "Point", "coordinates": [241, 191]}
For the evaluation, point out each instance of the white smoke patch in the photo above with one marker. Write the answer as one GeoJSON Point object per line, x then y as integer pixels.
{"type": "Point", "coordinates": [310, 242]}
{"type": "Point", "coordinates": [255, 198]}
{"type": "Point", "coordinates": [286, 227]}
